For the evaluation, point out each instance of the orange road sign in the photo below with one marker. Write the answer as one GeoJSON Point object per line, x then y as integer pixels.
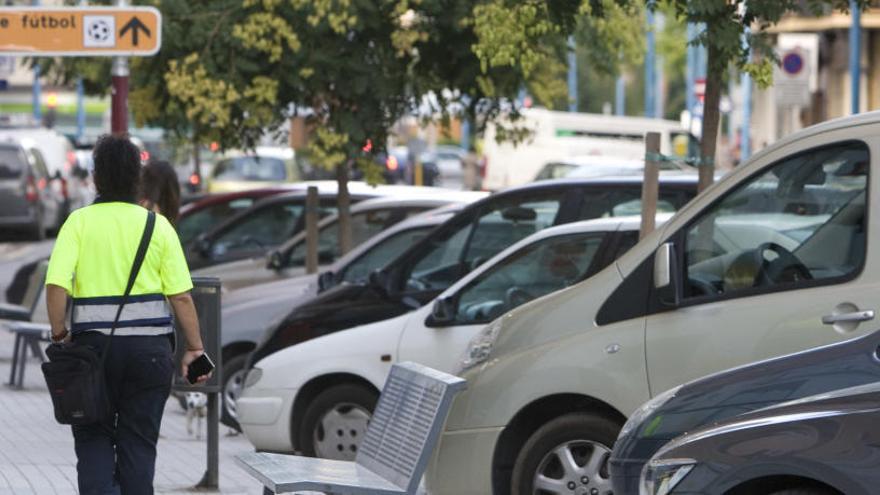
{"type": "Point", "coordinates": [80, 31]}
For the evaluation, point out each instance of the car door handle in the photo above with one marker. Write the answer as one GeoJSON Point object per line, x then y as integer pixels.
{"type": "Point", "coordinates": [856, 316]}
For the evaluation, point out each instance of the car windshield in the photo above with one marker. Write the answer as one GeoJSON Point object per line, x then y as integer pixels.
{"type": "Point", "coordinates": [11, 164]}
{"type": "Point", "coordinates": [250, 168]}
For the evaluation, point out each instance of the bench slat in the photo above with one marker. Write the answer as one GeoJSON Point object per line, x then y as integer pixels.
{"type": "Point", "coordinates": [286, 473]}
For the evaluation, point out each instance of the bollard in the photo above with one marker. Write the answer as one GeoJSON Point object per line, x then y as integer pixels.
{"type": "Point", "coordinates": [650, 185]}
{"type": "Point", "coordinates": [206, 296]}
{"type": "Point", "coordinates": [312, 229]}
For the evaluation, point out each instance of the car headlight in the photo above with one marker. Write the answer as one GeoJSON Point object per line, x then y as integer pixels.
{"type": "Point", "coordinates": [480, 347]}
{"type": "Point", "coordinates": [661, 476]}
{"type": "Point", "coordinates": [646, 410]}
{"type": "Point", "coordinates": [252, 377]}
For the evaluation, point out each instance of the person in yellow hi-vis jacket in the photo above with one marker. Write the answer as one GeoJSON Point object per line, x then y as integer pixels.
{"type": "Point", "coordinates": [90, 263]}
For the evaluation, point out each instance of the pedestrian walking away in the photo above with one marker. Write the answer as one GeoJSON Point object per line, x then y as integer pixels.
{"type": "Point", "coordinates": [90, 265]}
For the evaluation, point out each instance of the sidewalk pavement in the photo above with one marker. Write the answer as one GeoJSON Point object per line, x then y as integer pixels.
{"type": "Point", "coordinates": [37, 457]}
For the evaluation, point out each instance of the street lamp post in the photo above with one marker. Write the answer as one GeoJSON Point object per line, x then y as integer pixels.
{"type": "Point", "coordinates": [855, 55]}
{"type": "Point", "coordinates": [119, 91]}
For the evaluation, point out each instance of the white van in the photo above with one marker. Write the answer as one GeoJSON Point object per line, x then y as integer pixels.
{"type": "Point", "coordinates": [771, 260]}
{"type": "Point", "coordinates": [556, 136]}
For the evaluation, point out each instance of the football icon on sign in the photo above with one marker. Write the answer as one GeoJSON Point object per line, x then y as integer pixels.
{"type": "Point", "coordinates": [99, 31]}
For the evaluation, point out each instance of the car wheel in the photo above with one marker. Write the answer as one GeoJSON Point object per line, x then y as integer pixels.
{"type": "Point", "coordinates": [335, 422]}
{"type": "Point", "coordinates": [38, 229]}
{"type": "Point", "coordinates": [233, 382]}
{"type": "Point", "coordinates": [567, 455]}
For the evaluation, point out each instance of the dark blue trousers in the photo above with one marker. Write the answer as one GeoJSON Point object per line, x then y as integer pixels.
{"type": "Point", "coordinates": [118, 457]}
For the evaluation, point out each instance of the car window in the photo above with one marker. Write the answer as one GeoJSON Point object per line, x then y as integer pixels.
{"type": "Point", "coordinates": [251, 168]}
{"type": "Point", "coordinates": [502, 224]}
{"type": "Point", "coordinates": [39, 164]}
{"type": "Point", "coordinates": [382, 253]}
{"type": "Point", "coordinates": [203, 220]}
{"type": "Point", "coordinates": [534, 271]}
{"type": "Point", "coordinates": [800, 221]}
{"type": "Point", "coordinates": [626, 201]}
{"type": "Point", "coordinates": [11, 163]}
{"type": "Point", "coordinates": [267, 227]}
{"type": "Point", "coordinates": [364, 225]}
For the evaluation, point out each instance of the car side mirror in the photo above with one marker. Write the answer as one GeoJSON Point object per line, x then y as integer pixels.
{"type": "Point", "coordinates": [443, 312]}
{"type": "Point", "coordinates": [275, 261]}
{"type": "Point", "coordinates": [379, 280]}
{"type": "Point", "coordinates": [203, 246]}
{"type": "Point", "coordinates": [326, 280]}
{"type": "Point", "coordinates": [666, 279]}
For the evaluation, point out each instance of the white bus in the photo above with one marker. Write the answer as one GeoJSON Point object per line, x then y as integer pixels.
{"type": "Point", "coordinates": [560, 135]}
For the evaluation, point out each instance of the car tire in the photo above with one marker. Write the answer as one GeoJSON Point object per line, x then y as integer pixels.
{"type": "Point", "coordinates": [233, 380]}
{"type": "Point", "coordinates": [38, 229]}
{"type": "Point", "coordinates": [584, 440]}
{"type": "Point", "coordinates": [335, 421]}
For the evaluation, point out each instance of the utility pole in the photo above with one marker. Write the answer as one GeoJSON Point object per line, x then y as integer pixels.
{"type": "Point", "coordinates": [855, 56]}
{"type": "Point", "coordinates": [620, 96]}
{"type": "Point", "coordinates": [37, 97]}
{"type": "Point", "coordinates": [119, 91]}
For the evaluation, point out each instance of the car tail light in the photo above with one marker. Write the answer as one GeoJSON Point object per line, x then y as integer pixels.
{"type": "Point", "coordinates": [194, 179]}
{"type": "Point", "coordinates": [145, 156]}
{"type": "Point", "coordinates": [71, 161]}
{"type": "Point", "coordinates": [391, 163]}
{"type": "Point", "coordinates": [30, 191]}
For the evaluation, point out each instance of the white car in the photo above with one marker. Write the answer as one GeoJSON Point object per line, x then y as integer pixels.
{"type": "Point", "coordinates": [368, 218]}
{"type": "Point", "coordinates": [248, 312]}
{"type": "Point", "coordinates": [318, 395]}
{"type": "Point", "coordinates": [771, 260]}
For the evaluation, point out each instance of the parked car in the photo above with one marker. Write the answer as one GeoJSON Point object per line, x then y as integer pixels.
{"type": "Point", "coordinates": [448, 161]}
{"type": "Point", "coordinates": [368, 218]}
{"type": "Point", "coordinates": [203, 215]}
{"type": "Point", "coordinates": [61, 163]}
{"type": "Point", "coordinates": [805, 423]}
{"type": "Point", "coordinates": [255, 231]}
{"type": "Point", "coordinates": [745, 272]}
{"type": "Point", "coordinates": [247, 313]}
{"type": "Point", "coordinates": [27, 202]}
{"type": "Point", "coordinates": [603, 166]}
{"type": "Point", "coordinates": [460, 245]}
{"type": "Point", "coordinates": [337, 378]}
{"type": "Point", "coordinates": [265, 166]}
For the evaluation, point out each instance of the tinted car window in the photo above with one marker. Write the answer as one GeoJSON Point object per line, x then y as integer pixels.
{"type": "Point", "coordinates": [802, 220]}
{"type": "Point", "coordinates": [203, 220]}
{"type": "Point", "coordinates": [266, 227]}
{"type": "Point", "coordinates": [533, 271]}
{"type": "Point", "coordinates": [382, 254]}
{"type": "Point", "coordinates": [619, 201]}
{"type": "Point", "coordinates": [251, 168]}
{"type": "Point", "coordinates": [363, 226]}
{"type": "Point", "coordinates": [11, 163]}
{"type": "Point", "coordinates": [503, 223]}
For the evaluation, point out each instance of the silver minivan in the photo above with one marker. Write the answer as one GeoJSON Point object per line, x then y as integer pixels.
{"type": "Point", "coordinates": [26, 200]}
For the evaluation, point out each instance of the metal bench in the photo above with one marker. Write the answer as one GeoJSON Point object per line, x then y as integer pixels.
{"type": "Point", "coordinates": [394, 452]}
{"type": "Point", "coordinates": [28, 335]}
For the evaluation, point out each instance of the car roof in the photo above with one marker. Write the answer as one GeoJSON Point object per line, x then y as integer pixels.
{"type": "Point", "coordinates": [217, 198]}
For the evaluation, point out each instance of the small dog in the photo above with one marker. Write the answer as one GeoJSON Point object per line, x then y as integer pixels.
{"type": "Point", "coordinates": [196, 409]}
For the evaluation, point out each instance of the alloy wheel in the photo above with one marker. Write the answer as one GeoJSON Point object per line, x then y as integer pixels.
{"type": "Point", "coordinates": [578, 467]}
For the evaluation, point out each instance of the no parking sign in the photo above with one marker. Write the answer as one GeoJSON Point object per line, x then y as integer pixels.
{"type": "Point", "coordinates": [791, 80]}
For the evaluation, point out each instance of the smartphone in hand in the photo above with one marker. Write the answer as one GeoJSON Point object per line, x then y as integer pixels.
{"type": "Point", "coordinates": [201, 366]}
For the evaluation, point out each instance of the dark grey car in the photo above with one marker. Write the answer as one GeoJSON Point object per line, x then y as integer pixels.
{"type": "Point", "coordinates": [822, 445]}
{"type": "Point", "coordinates": [26, 201]}
{"type": "Point", "coordinates": [742, 390]}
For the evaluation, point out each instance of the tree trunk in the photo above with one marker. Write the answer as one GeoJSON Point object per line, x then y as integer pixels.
{"type": "Point", "coordinates": [711, 116]}
{"type": "Point", "coordinates": [343, 202]}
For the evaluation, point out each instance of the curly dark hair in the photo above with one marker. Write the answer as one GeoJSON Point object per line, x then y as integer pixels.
{"type": "Point", "coordinates": [159, 187]}
{"type": "Point", "coordinates": [117, 168]}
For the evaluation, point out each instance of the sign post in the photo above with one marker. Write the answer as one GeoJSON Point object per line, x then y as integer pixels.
{"type": "Point", "coordinates": [119, 32]}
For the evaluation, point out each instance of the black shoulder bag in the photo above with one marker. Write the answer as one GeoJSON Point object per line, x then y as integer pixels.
{"type": "Point", "coordinates": [75, 373]}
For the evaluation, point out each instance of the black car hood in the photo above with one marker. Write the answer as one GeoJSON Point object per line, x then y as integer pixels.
{"type": "Point", "coordinates": [730, 393]}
